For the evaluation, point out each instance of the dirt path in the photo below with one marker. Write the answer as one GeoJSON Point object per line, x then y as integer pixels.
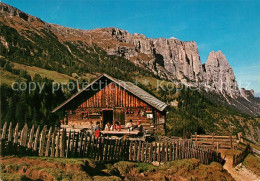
{"type": "Point", "coordinates": [240, 172]}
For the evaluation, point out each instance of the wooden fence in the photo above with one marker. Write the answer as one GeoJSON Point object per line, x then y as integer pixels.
{"type": "Point", "coordinates": [240, 157]}
{"type": "Point", "coordinates": [245, 140]}
{"type": "Point", "coordinates": [164, 151]}
{"type": "Point", "coordinates": [215, 141]}
{"type": "Point", "coordinates": [59, 143]}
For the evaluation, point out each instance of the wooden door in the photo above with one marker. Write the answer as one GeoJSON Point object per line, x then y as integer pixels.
{"type": "Point", "coordinates": [107, 117]}
{"type": "Point", "coordinates": [119, 115]}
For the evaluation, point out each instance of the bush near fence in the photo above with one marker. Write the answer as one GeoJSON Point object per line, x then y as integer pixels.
{"type": "Point", "coordinates": [58, 143]}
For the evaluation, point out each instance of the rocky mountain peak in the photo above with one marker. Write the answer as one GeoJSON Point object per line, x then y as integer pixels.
{"type": "Point", "coordinates": [220, 75]}
{"type": "Point", "coordinates": [7, 10]}
{"type": "Point", "coordinates": [247, 93]}
{"type": "Point", "coordinates": [217, 59]}
{"type": "Point", "coordinates": [12, 11]}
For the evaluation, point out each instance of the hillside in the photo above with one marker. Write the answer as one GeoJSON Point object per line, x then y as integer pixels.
{"type": "Point", "coordinates": [35, 168]}
{"type": "Point", "coordinates": [32, 48]}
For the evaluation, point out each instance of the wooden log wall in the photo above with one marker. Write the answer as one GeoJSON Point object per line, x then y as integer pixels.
{"type": "Point", "coordinates": [59, 143]}
{"type": "Point", "coordinates": [113, 96]}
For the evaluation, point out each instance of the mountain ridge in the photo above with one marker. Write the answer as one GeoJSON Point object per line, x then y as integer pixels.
{"type": "Point", "coordinates": [171, 59]}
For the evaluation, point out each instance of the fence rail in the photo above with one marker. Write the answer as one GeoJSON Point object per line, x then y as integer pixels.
{"type": "Point", "coordinates": [215, 141]}
{"type": "Point", "coordinates": [171, 139]}
{"type": "Point", "coordinates": [59, 143]}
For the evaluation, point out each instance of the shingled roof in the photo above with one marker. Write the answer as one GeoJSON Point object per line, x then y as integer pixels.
{"type": "Point", "coordinates": [137, 91]}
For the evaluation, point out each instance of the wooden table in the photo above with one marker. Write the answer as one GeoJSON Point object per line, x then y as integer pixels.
{"type": "Point", "coordinates": [122, 132]}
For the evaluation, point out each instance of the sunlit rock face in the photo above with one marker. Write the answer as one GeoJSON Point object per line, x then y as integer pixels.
{"type": "Point", "coordinates": [175, 60]}
{"type": "Point", "coordinates": [171, 58]}
{"type": "Point", "coordinates": [220, 75]}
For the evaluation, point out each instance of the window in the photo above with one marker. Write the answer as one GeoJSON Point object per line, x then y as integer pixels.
{"type": "Point", "coordinates": [94, 116]}
{"type": "Point", "coordinates": [149, 116]}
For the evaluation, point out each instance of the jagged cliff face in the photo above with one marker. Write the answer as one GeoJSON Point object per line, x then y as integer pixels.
{"type": "Point", "coordinates": [173, 59]}
{"type": "Point", "coordinates": [220, 75]}
{"type": "Point", "coordinates": [169, 58]}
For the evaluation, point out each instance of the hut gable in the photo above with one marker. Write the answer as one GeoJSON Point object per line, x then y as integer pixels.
{"type": "Point", "coordinates": [107, 91]}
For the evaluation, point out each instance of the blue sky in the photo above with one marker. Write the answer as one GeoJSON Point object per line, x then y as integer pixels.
{"type": "Point", "coordinates": [230, 26]}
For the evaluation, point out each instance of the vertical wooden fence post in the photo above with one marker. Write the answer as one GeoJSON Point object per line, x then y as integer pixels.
{"type": "Point", "coordinates": [213, 144]}
{"type": "Point", "coordinates": [48, 142]}
{"type": "Point", "coordinates": [146, 151]}
{"type": "Point", "coordinates": [16, 133]}
{"type": "Point", "coordinates": [151, 153]}
{"type": "Point", "coordinates": [10, 138]}
{"type": "Point", "coordinates": [142, 152]}
{"type": "Point", "coordinates": [57, 140]}
{"type": "Point", "coordinates": [10, 132]}
{"type": "Point", "coordinates": [102, 147]}
{"type": "Point", "coordinates": [42, 141]}
{"type": "Point", "coordinates": [72, 144]}
{"type": "Point", "coordinates": [177, 150]}
{"type": "Point", "coordinates": [62, 143]}
{"type": "Point", "coordinates": [75, 148]}
{"type": "Point", "coordinates": [106, 148]}
{"type": "Point", "coordinates": [130, 150]}
{"type": "Point", "coordinates": [163, 153]}
{"type": "Point", "coordinates": [89, 146]}
{"type": "Point", "coordinates": [85, 145]}
{"type": "Point", "coordinates": [53, 143]}
{"type": "Point", "coordinates": [166, 152]}
{"type": "Point", "coordinates": [80, 144]}
{"type": "Point", "coordinates": [9, 148]}
{"type": "Point", "coordinates": [23, 137]}
{"type": "Point", "coordinates": [122, 151]}
{"type": "Point", "coordinates": [119, 149]}
{"type": "Point", "coordinates": [173, 151]}
{"type": "Point", "coordinates": [155, 151]}
{"type": "Point", "coordinates": [159, 153]}
{"type": "Point", "coordinates": [2, 145]}
{"type": "Point", "coordinates": [36, 140]}
{"type": "Point", "coordinates": [139, 151]}
{"type": "Point", "coordinates": [4, 130]}
{"type": "Point", "coordinates": [196, 138]}
{"type": "Point", "coordinates": [68, 145]}
{"type": "Point", "coordinates": [113, 149]}
{"type": "Point", "coordinates": [30, 142]}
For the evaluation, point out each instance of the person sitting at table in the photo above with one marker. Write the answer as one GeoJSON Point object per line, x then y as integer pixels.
{"type": "Point", "coordinates": [97, 129]}
{"type": "Point", "coordinates": [117, 126]}
{"type": "Point", "coordinates": [108, 126]}
{"type": "Point", "coordinates": [129, 125]}
{"type": "Point", "coordinates": [139, 127]}
{"type": "Point", "coordinates": [112, 128]}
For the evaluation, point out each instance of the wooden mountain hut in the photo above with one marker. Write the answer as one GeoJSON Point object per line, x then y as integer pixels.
{"type": "Point", "coordinates": [107, 99]}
